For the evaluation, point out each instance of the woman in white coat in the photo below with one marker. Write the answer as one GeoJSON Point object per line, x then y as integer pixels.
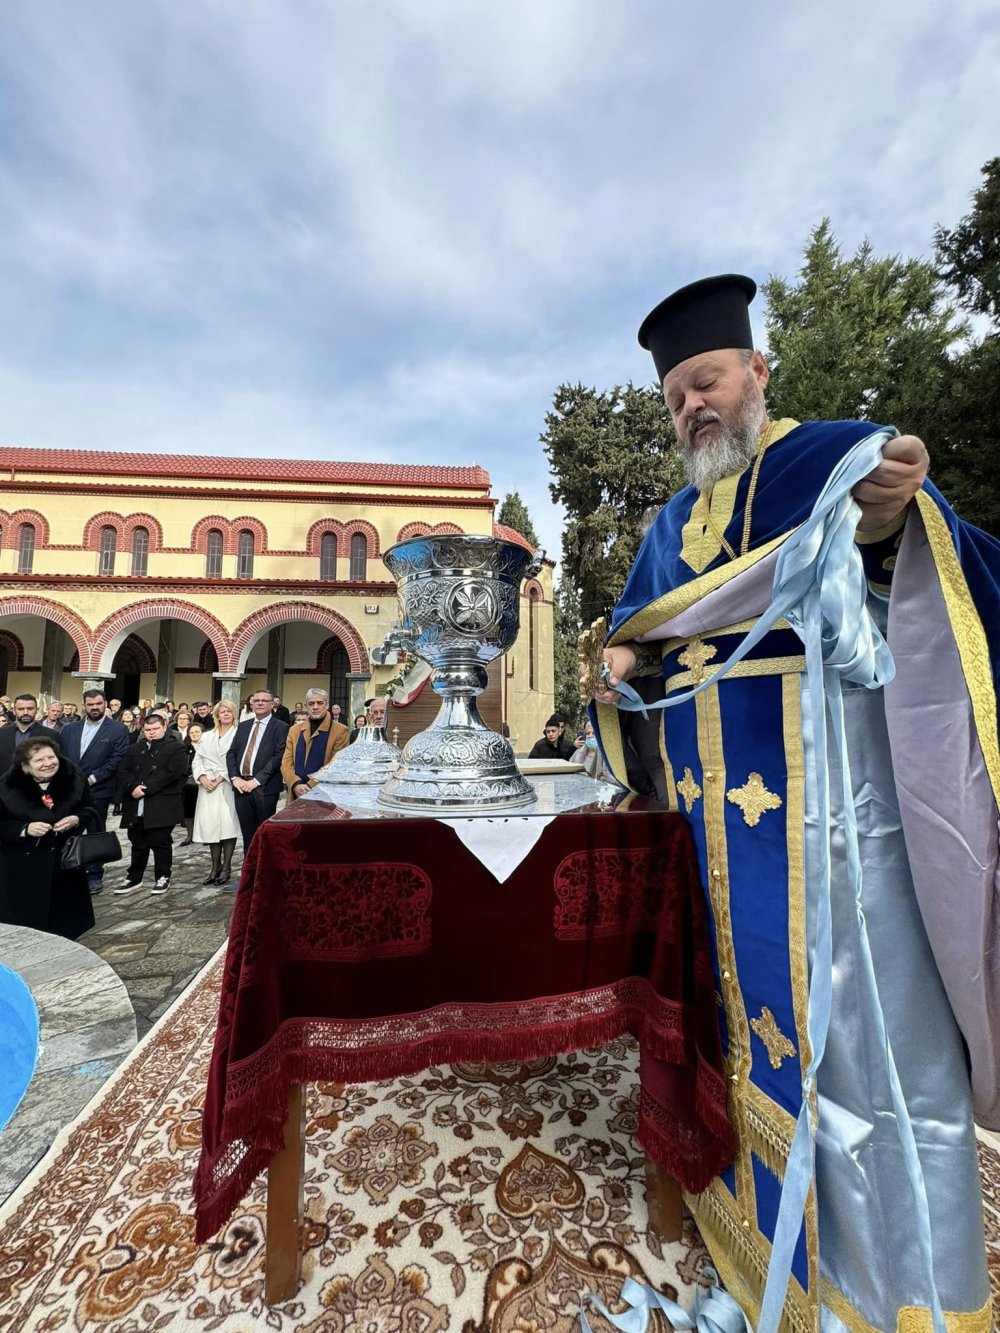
{"type": "Point", "coordinates": [215, 813]}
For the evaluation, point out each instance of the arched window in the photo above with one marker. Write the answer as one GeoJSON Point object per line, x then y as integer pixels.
{"type": "Point", "coordinates": [359, 557]}
{"type": "Point", "coordinates": [140, 553]}
{"type": "Point", "coordinates": [244, 555]}
{"type": "Point", "coordinates": [328, 557]}
{"type": "Point", "coordinates": [532, 638]}
{"type": "Point", "coordinates": [213, 554]}
{"type": "Point", "coordinates": [26, 548]}
{"type": "Point", "coordinates": [106, 557]}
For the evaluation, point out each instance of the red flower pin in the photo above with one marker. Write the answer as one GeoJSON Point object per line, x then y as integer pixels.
{"type": "Point", "coordinates": [47, 800]}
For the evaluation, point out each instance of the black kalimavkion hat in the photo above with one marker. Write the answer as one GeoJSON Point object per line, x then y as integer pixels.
{"type": "Point", "coordinates": [704, 316]}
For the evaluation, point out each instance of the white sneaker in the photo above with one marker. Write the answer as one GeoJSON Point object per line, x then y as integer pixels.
{"type": "Point", "coordinates": [161, 885]}
{"type": "Point", "coordinates": [128, 887]}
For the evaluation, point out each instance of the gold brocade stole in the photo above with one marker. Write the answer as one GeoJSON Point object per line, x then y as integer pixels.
{"type": "Point", "coordinates": [712, 512]}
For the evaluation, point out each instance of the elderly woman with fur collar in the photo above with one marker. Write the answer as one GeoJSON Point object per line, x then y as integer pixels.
{"type": "Point", "coordinates": [44, 799]}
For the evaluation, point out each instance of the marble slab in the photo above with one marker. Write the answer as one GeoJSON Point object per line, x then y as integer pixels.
{"type": "Point", "coordinates": [554, 795]}
{"type": "Point", "coordinates": [87, 1027]}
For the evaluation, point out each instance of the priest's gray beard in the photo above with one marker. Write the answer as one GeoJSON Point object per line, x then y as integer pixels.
{"type": "Point", "coordinates": [733, 449]}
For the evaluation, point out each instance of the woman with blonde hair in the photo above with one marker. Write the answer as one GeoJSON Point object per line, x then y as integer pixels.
{"type": "Point", "coordinates": [215, 812]}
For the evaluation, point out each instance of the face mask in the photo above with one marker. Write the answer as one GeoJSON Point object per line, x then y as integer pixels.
{"type": "Point", "coordinates": [591, 742]}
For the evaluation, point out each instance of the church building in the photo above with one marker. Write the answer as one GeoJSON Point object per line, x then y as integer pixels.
{"type": "Point", "coordinates": [183, 577]}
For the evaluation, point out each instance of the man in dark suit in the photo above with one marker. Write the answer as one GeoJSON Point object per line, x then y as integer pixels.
{"type": "Point", "coordinates": [281, 712]}
{"type": "Point", "coordinates": [96, 743]}
{"type": "Point", "coordinates": [24, 726]}
{"type": "Point", "coordinates": [254, 763]}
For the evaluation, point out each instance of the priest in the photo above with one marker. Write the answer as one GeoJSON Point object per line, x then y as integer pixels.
{"type": "Point", "coordinates": [742, 763]}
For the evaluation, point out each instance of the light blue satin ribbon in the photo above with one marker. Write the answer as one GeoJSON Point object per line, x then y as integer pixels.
{"type": "Point", "coordinates": [820, 588]}
{"type": "Point", "coordinates": [714, 1311]}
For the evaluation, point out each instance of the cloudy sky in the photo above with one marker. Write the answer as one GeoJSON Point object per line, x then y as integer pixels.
{"type": "Point", "coordinates": [370, 229]}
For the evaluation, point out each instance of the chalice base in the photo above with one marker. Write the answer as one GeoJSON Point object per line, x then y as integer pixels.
{"type": "Point", "coordinates": [457, 770]}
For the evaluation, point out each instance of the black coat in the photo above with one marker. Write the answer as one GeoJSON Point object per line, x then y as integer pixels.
{"type": "Point", "coordinates": [163, 766]}
{"type": "Point", "coordinates": [563, 749]}
{"type": "Point", "coordinates": [34, 889]}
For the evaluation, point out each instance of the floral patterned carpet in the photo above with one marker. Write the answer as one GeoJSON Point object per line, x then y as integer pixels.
{"type": "Point", "coordinates": [471, 1198]}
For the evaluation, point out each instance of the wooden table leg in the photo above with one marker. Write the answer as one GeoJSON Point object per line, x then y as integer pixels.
{"type": "Point", "coordinates": [664, 1206]}
{"type": "Point", "coordinates": [283, 1254]}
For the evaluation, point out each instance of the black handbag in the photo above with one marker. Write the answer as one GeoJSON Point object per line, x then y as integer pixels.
{"type": "Point", "coordinates": [90, 849]}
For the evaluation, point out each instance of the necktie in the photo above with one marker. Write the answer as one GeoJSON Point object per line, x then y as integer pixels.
{"type": "Point", "coordinates": [247, 770]}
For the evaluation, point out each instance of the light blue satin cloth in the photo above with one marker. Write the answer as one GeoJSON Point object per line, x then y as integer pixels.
{"type": "Point", "coordinates": [820, 589]}
{"type": "Point", "coordinates": [714, 1310]}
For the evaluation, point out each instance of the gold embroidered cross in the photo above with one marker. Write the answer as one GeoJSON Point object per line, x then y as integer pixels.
{"type": "Point", "coordinates": [754, 799]}
{"type": "Point", "coordinates": [689, 789]}
{"type": "Point", "coordinates": [778, 1045]}
{"type": "Point", "coordinates": [694, 657]}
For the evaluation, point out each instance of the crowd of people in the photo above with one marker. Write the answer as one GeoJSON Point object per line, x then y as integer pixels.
{"type": "Point", "coordinates": [217, 772]}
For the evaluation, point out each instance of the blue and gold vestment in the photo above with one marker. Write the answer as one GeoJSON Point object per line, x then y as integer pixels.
{"type": "Point", "coordinates": [740, 762]}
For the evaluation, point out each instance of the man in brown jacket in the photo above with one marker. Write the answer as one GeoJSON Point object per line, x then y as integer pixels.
{"type": "Point", "coordinates": [311, 744]}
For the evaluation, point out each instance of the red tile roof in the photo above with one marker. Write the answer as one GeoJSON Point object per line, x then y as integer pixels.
{"type": "Point", "coordinates": [195, 466]}
{"type": "Point", "coordinates": [505, 534]}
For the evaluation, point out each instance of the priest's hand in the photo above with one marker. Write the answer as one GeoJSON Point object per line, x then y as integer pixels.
{"type": "Point", "coordinates": [621, 665]}
{"type": "Point", "coordinates": [886, 492]}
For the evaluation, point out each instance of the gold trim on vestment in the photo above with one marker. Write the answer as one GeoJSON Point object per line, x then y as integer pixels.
{"type": "Point", "coordinates": [754, 666]}
{"type": "Point", "coordinates": [909, 1318]}
{"type": "Point", "coordinates": [739, 1056]}
{"type": "Point", "coordinates": [703, 535]}
{"type": "Point", "coordinates": [673, 603]}
{"type": "Point", "coordinates": [742, 1261]}
{"type": "Point", "coordinates": [610, 727]}
{"type": "Point", "coordinates": [883, 533]}
{"type": "Point", "coordinates": [970, 637]}
{"type": "Point", "coordinates": [741, 627]}
{"type": "Point", "coordinates": [668, 770]}
{"type": "Point", "coordinates": [769, 1129]}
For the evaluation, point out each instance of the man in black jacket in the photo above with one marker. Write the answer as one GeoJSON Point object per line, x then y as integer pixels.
{"type": "Point", "coordinates": [96, 744]}
{"type": "Point", "coordinates": [254, 763]}
{"type": "Point", "coordinates": [553, 745]}
{"type": "Point", "coordinates": [25, 725]}
{"type": "Point", "coordinates": [150, 782]}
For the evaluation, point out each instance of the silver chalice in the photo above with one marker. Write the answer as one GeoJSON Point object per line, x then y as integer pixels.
{"type": "Point", "coordinates": [460, 599]}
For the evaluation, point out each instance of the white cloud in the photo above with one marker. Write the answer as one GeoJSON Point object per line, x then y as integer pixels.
{"type": "Point", "coordinates": [389, 230]}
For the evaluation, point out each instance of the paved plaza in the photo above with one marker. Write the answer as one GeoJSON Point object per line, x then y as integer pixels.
{"type": "Point", "coordinates": [158, 943]}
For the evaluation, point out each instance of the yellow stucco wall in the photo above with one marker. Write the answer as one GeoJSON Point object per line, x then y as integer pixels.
{"type": "Point", "coordinates": [64, 574]}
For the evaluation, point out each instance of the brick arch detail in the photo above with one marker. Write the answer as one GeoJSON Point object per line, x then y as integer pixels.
{"type": "Point", "coordinates": [324, 653]}
{"type": "Point", "coordinates": [533, 589]}
{"type": "Point", "coordinates": [152, 526]}
{"type": "Point", "coordinates": [54, 611]}
{"type": "Point", "coordinates": [208, 658]}
{"type": "Point", "coordinates": [142, 652]}
{"type": "Point", "coordinates": [419, 529]}
{"type": "Point", "coordinates": [92, 530]}
{"type": "Point", "coordinates": [319, 530]}
{"type": "Point", "coordinates": [246, 634]}
{"type": "Point", "coordinates": [248, 524]}
{"type": "Point", "coordinates": [409, 530]}
{"type": "Point", "coordinates": [15, 650]}
{"type": "Point", "coordinates": [113, 630]}
{"type": "Point", "coordinates": [200, 531]}
{"type": "Point", "coordinates": [362, 525]}
{"type": "Point", "coordinates": [12, 527]}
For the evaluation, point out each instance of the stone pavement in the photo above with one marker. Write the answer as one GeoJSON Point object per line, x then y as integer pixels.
{"type": "Point", "coordinates": [158, 944]}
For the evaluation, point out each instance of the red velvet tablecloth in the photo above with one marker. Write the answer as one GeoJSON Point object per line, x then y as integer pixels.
{"type": "Point", "coordinates": [364, 950]}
